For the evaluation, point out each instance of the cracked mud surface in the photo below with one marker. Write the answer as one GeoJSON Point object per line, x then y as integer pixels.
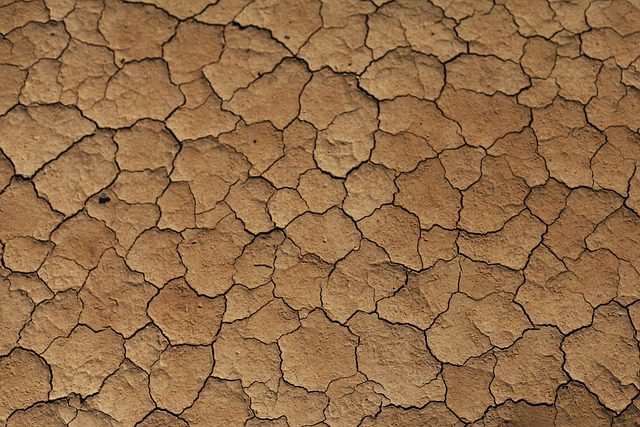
{"type": "Point", "coordinates": [331, 213]}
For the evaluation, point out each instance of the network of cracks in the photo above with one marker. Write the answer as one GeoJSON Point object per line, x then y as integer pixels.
{"type": "Point", "coordinates": [331, 213]}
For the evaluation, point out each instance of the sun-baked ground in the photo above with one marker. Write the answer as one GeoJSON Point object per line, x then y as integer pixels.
{"type": "Point", "coordinates": [331, 213]}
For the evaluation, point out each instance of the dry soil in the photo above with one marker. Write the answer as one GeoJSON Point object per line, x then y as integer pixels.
{"type": "Point", "coordinates": [336, 213]}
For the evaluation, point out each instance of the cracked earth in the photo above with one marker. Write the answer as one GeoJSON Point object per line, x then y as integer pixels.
{"type": "Point", "coordinates": [328, 213]}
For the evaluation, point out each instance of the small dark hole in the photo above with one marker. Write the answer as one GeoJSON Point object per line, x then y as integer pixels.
{"type": "Point", "coordinates": [104, 199]}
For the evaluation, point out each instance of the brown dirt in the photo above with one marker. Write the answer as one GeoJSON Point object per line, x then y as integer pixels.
{"type": "Point", "coordinates": [331, 213]}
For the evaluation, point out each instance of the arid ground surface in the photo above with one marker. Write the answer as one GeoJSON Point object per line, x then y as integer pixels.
{"type": "Point", "coordinates": [331, 213]}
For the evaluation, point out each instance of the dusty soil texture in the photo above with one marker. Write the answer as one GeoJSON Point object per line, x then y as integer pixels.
{"type": "Point", "coordinates": [287, 213]}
